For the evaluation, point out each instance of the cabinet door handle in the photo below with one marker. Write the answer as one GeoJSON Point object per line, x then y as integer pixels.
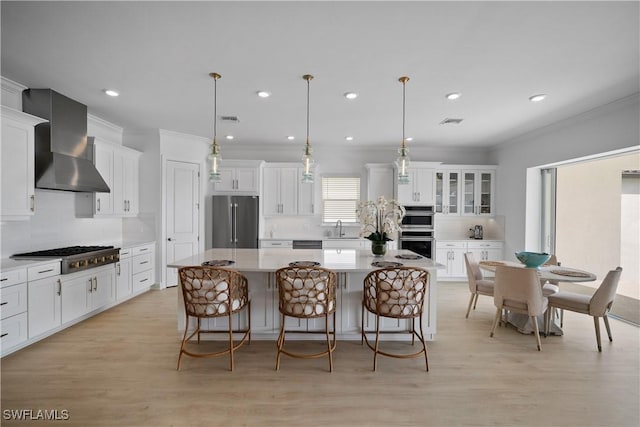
{"type": "Point", "coordinates": [91, 284]}
{"type": "Point", "coordinates": [33, 202]}
{"type": "Point", "coordinates": [98, 205]}
{"type": "Point", "coordinates": [95, 283]}
{"type": "Point", "coordinates": [118, 269]}
{"type": "Point", "coordinates": [59, 287]}
{"type": "Point", "coordinates": [418, 197]}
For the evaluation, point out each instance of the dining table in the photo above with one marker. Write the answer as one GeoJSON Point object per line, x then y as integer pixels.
{"type": "Point", "coordinates": [547, 273]}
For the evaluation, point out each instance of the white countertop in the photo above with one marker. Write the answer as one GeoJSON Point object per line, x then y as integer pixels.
{"type": "Point", "coordinates": [7, 264]}
{"type": "Point", "coordinates": [267, 260]}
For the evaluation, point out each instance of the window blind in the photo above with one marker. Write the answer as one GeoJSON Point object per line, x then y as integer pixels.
{"type": "Point", "coordinates": [340, 196]}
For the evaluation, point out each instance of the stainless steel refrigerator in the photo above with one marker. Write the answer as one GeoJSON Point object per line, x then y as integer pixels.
{"type": "Point", "coordinates": [235, 221]}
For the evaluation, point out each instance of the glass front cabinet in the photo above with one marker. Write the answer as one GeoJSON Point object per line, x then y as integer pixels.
{"type": "Point", "coordinates": [466, 192]}
{"type": "Point", "coordinates": [447, 192]}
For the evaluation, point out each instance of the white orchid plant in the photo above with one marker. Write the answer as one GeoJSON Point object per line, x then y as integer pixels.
{"type": "Point", "coordinates": [379, 219]}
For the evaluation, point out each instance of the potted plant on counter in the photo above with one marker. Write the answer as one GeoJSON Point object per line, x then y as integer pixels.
{"type": "Point", "coordinates": [379, 220]}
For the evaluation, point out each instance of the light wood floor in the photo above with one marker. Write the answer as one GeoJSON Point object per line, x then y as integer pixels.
{"type": "Point", "coordinates": [118, 368]}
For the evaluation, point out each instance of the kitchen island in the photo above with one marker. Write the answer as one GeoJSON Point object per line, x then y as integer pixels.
{"type": "Point", "coordinates": [352, 265]}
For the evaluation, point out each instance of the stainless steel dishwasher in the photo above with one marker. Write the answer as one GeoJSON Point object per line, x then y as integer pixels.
{"type": "Point", "coordinates": [307, 244]}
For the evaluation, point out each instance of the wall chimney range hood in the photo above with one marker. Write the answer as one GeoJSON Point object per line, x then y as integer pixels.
{"type": "Point", "coordinates": [61, 151]}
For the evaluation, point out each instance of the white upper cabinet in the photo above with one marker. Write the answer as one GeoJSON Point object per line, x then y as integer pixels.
{"type": "Point", "coordinates": [467, 191]}
{"type": "Point", "coordinates": [238, 177]}
{"type": "Point", "coordinates": [280, 191]}
{"type": "Point", "coordinates": [118, 166]}
{"type": "Point", "coordinates": [447, 192]}
{"type": "Point", "coordinates": [18, 159]}
{"type": "Point", "coordinates": [284, 193]}
{"type": "Point", "coordinates": [478, 192]}
{"type": "Point", "coordinates": [419, 190]}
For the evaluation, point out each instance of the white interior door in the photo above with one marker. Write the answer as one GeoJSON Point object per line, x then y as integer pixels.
{"type": "Point", "coordinates": [182, 198]}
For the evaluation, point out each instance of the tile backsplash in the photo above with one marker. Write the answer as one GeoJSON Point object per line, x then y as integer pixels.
{"type": "Point", "coordinates": [54, 224]}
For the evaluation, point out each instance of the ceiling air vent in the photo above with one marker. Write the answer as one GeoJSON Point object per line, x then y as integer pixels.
{"type": "Point", "coordinates": [449, 121]}
{"type": "Point", "coordinates": [232, 119]}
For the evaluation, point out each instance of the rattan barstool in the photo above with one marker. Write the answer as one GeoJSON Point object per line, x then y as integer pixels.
{"type": "Point", "coordinates": [307, 293]}
{"type": "Point", "coordinates": [210, 292]}
{"type": "Point", "coordinates": [396, 293]}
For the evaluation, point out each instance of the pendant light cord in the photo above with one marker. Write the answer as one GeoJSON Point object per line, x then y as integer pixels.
{"type": "Point", "coordinates": [215, 107]}
{"type": "Point", "coordinates": [308, 79]}
{"type": "Point", "coordinates": [403, 107]}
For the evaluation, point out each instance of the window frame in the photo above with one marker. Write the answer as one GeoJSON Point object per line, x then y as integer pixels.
{"type": "Point", "coordinates": [356, 222]}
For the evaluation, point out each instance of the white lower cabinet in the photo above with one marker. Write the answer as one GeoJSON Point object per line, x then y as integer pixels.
{"type": "Point", "coordinates": [142, 267]}
{"type": "Point", "coordinates": [451, 254]}
{"type": "Point", "coordinates": [87, 292]}
{"type": "Point", "coordinates": [13, 310]}
{"type": "Point", "coordinates": [45, 301]}
{"type": "Point", "coordinates": [124, 287]}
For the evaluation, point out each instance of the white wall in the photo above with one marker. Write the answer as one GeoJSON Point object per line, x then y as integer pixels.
{"type": "Point", "coordinates": [610, 127]}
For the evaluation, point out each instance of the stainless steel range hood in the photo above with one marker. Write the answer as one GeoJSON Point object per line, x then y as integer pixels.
{"type": "Point", "coordinates": [62, 158]}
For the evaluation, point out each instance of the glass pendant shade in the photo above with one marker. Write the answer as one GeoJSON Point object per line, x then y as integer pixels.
{"type": "Point", "coordinates": [214, 156]}
{"type": "Point", "coordinates": [214, 159]}
{"type": "Point", "coordinates": [402, 162]}
{"type": "Point", "coordinates": [307, 159]}
{"type": "Point", "coordinates": [307, 162]}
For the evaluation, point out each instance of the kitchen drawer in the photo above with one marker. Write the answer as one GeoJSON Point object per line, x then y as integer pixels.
{"type": "Point", "coordinates": [485, 245]}
{"type": "Point", "coordinates": [13, 300]}
{"type": "Point", "coordinates": [126, 253]}
{"type": "Point", "coordinates": [140, 250]}
{"type": "Point", "coordinates": [13, 277]}
{"type": "Point", "coordinates": [142, 280]}
{"type": "Point", "coordinates": [276, 244]}
{"type": "Point", "coordinates": [451, 244]}
{"type": "Point", "coordinates": [141, 263]}
{"type": "Point", "coordinates": [13, 331]}
{"type": "Point", "coordinates": [42, 271]}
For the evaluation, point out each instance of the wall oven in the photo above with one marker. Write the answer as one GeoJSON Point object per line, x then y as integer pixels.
{"type": "Point", "coordinates": [417, 230]}
{"type": "Point", "coordinates": [420, 217]}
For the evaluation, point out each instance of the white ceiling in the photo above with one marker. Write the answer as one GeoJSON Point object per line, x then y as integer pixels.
{"type": "Point", "coordinates": [497, 54]}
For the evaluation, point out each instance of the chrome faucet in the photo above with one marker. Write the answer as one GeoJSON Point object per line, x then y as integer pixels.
{"type": "Point", "coordinates": [339, 227]}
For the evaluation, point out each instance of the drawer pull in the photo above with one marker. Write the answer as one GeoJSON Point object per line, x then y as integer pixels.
{"type": "Point", "coordinates": [144, 262]}
{"type": "Point", "coordinates": [4, 303]}
{"type": "Point", "coordinates": [5, 279]}
{"type": "Point", "coordinates": [4, 335]}
{"type": "Point", "coordinates": [45, 271]}
{"type": "Point", "coordinates": [144, 249]}
{"type": "Point", "coordinates": [143, 280]}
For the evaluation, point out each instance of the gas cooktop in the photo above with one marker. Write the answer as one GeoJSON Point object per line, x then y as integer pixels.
{"type": "Point", "coordinates": [76, 258]}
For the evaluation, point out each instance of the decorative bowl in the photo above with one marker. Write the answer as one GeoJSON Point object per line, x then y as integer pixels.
{"type": "Point", "coordinates": [532, 259]}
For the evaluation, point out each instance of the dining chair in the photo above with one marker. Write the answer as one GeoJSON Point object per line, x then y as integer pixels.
{"type": "Point", "coordinates": [213, 292]}
{"type": "Point", "coordinates": [307, 293]}
{"type": "Point", "coordinates": [596, 305]}
{"type": "Point", "coordinates": [518, 290]}
{"type": "Point", "coordinates": [478, 285]}
{"type": "Point", "coordinates": [396, 293]}
{"type": "Point", "coordinates": [550, 287]}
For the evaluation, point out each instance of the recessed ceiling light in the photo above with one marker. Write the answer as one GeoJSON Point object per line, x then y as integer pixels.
{"type": "Point", "coordinates": [408, 139]}
{"type": "Point", "coordinates": [453, 95]}
{"type": "Point", "coordinates": [291, 138]}
{"type": "Point", "coordinates": [351, 95]}
{"type": "Point", "coordinates": [263, 94]}
{"type": "Point", "coordinates": [537, 98]}
{"type": "Point", "coordinates": [348, 138]}
{"type": "Point", "coordinates": [111, 92]}
{"type": "Point", "coordinates": [229, 136]}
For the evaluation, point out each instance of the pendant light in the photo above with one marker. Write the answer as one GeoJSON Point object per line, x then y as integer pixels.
{"type": "Point", "coordinates": [307, 160]}
{"type": "Point", "coordinates": [214, 156]}
{"type": "Point", "coordinates": [402, 162]}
